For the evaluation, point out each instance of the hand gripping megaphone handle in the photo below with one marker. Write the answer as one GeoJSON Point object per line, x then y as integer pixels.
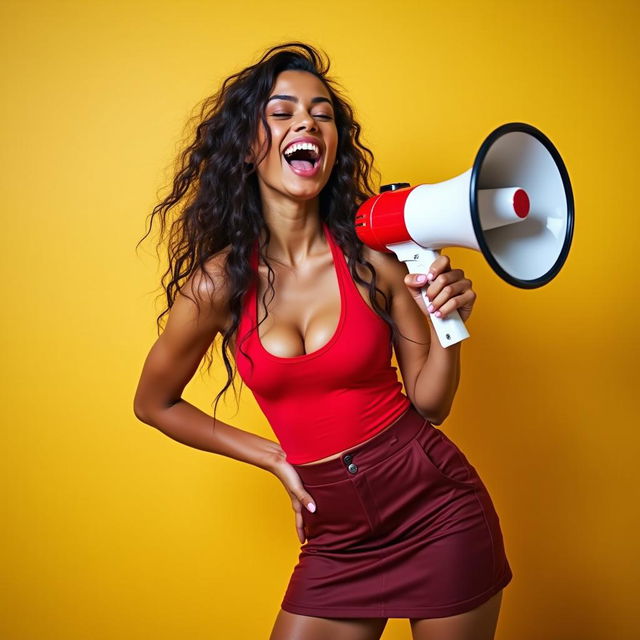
{"type": "Point", "coordinates": [451, 329]}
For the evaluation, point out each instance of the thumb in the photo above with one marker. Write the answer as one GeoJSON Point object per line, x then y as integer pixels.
{"type": "Point", "coordinates": [415, 279]}
{"type": "Point", "coordinates": [415, 283]}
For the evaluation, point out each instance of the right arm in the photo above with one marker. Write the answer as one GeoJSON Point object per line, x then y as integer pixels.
{"type": "Point", "coordinates": [172, 362]}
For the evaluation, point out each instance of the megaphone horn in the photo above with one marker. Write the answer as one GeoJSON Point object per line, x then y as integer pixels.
{"type": "Point", "coordinates": [515, 205]}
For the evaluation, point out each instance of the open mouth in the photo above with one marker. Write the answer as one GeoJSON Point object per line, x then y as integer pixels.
{"type": "Point", "coordinates": [302, 156]}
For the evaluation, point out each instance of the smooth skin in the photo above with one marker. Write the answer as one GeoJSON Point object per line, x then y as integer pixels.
{"type": "Point", "coordinates": [478, 624]}
{"type": "Point", "coordinates": [301, 257]}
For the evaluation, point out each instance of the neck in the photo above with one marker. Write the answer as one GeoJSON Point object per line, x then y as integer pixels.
{"type": "Point", "coordinates": [296, 231]}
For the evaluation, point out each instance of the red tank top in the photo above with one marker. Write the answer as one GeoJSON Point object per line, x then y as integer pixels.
{"type": "Point", "coordinates": [335, 397]}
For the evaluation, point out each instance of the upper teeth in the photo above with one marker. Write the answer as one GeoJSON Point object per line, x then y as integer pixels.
{"type": "Point", "coordinates": [302, 145]}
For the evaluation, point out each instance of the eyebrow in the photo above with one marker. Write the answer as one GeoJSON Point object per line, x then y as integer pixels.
{"type": "Point", "coordinates": [294, 99]}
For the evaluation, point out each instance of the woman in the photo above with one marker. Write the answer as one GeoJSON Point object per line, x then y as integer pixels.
{"type": "Point", "coordinates": [397, 521]}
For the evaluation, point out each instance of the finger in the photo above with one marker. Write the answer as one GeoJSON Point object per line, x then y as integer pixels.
{"type": "Point", "coordinates": [443, 280]}
{"type": "Point", "coordinates": [297, 490]}
{"type": "Point", "coordinates": [440, 265]}
{"type": "Point", "coordinates": [467, 298]}
{"type": "Point", "coordinates": [418, 280]}
{"type": "Point", "coordinates": [303, 499]}
{"type": "Point", "coordinates": [300, 527]}
{"type": "Point", "coordinates": [298, 518]}
{"type": "Point", "coordinates": [448, 292]}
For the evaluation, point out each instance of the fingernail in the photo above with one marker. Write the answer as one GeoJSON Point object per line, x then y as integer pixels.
{"type": "Point", "coordinates": [430, 308]}
{"type": "Point", "coordinates": [438, 314]}
{"type": "Point", "coordinates": [311, 507]}
{"type": "Point", "coordinates": [421, 278]}
{"type": "Point", "coordinates": [430, 276]}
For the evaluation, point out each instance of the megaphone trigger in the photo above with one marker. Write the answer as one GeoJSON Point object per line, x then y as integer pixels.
{"type": "Point", "coordinates": [450, 329]}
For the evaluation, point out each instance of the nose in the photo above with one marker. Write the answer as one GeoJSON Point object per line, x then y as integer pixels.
{"type": "Point", "coordinates": [307, 122]}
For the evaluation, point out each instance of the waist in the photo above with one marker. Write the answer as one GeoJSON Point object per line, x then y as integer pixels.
{"type": "Point", "coordinates": [369, 452]}
{"type": "Point", "coordinates": [318, 421]}
{"type": "Point", "coordinates": [337, 455]}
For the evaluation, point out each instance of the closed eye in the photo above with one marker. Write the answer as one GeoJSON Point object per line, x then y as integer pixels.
{"type": "Point", "coordinates": [288, 115]}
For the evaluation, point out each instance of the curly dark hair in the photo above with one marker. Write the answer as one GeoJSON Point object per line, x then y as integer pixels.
{"type": "Point", "coordinates": [219, 194]}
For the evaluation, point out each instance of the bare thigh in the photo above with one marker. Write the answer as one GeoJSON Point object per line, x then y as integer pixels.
{"type": "Point", "coordinates": [291, 626]}
{"type": "Point", "coordinates": [478, 624]}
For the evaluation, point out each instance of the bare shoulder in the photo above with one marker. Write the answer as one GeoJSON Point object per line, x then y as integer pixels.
{"type": "Point", "coordinates": [211, 280]}
{"type": "Point", "coordinates": [389, 270]}
{"type": "Point", "coordinates": [204, 297]}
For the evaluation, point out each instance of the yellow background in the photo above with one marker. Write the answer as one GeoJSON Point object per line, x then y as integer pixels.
{"type": "Point", "coordinates": [110, 529]}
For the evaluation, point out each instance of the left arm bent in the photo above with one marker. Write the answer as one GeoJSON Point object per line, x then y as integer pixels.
{"type": "Point", "coordinates": [430, 372]}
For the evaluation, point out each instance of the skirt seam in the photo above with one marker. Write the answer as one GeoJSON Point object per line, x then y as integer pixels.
{"type": "Point", "coordinates": [486, 521]}
{"type": "Point", "coordinates": [401, 611]}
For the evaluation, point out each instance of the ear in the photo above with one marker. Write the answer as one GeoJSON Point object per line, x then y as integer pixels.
{"type": "Point", "coordinates": [249, 161]}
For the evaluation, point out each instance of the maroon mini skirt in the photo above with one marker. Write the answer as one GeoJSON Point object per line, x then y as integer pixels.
{"type": "Point", "coordinates": [404, 528]}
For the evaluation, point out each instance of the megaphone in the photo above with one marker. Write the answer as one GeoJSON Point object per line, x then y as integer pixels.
{"type": "Point", "coordinates": [515, 205]}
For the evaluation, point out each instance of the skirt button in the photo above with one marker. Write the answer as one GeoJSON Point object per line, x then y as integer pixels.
{"type": "Point", "coordinates": [352, 468]}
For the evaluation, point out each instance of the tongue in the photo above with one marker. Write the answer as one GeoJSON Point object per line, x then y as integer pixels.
{"type": "Point", "coordinates": [304, 165]}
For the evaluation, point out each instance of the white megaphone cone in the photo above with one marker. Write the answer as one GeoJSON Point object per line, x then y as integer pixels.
{"type": "Point", "coordinates": [515, 205]}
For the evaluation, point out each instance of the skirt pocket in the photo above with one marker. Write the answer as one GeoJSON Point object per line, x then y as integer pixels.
{"type": "Point", "coordinates": [445, 458]}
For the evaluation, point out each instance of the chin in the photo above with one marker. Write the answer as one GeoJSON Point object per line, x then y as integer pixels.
{"type": "Point", "coordinates": [301, 192]}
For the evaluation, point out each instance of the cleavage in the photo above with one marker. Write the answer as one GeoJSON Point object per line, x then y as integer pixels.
{"type": "Point", "coordinates": [304, 313]}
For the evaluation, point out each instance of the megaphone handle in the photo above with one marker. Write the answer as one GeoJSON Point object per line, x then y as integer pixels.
{"type": "Point", "coordinates": [451, 329]}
